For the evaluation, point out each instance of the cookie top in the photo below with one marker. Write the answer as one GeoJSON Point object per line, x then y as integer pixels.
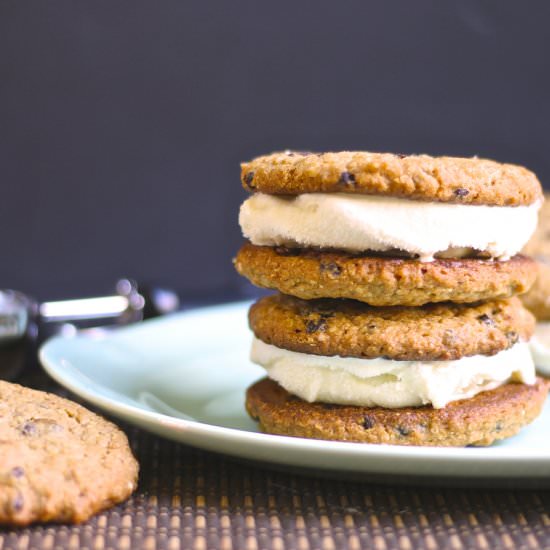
{"type": "Point", "coordinates": [435, 332]}
{"type": "Point", "coordinates": [444, 179]}
{"type": "Point", "coordinates": [480, 420]}
{"type": "Point", "coordinates": [383, 281]}
{"type": "Point", "coordinates": [58, 461]}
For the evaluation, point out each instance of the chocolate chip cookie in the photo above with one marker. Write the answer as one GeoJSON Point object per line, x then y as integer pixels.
{"type": "Point", "coordinates": [480, 420]}
{"type": "Point", "coordinates": [58, 461]}
{"type": "Point", "coordinates": [383, 281]}
{"type": "Point", "coordinates": [435, 332]}
{"type": "Point", "coordinates": [444, 179]}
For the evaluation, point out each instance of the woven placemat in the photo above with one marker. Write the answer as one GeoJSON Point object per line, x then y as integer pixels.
{"type": "Point", "coordinates": [190, 499]}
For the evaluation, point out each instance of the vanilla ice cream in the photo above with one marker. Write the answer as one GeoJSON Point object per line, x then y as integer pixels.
{"type": "Point", "coordinates": [359, 223]}
{"type": "Point", "coordinates": [388, 383]}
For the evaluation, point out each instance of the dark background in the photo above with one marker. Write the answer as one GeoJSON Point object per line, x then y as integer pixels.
{"type": "Point", "coordinates": [122, 123]}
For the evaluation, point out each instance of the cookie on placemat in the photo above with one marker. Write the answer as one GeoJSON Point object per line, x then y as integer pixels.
{"type": "Point", "coordinates": [58, 461]}
{"type": "Point", "coordinates": [445, 179]}
{"type": "Point", "coordinates": [383, 281]}
{"type": "Point", "coordinates": [480, 420]}
{"type": "Point", "coordinates": [438, 332]}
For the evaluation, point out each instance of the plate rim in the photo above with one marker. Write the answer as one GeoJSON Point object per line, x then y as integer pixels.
{"type": "Point", "coordinates": [135, 414]}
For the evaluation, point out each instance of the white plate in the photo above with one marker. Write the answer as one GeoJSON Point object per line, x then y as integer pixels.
{"type": "Point", "coordinates": [184, 377]}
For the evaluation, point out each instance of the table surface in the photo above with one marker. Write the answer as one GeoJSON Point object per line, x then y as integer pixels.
{"type": "Point", "coordinates": [188, 498]}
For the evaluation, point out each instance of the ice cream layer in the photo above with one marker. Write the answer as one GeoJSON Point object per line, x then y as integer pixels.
{"type": "Point", "coordinates": [358, 223]}
{"type": "Point", "coordinates": [391, 384]}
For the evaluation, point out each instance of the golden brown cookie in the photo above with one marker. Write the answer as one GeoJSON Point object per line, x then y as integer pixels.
{"type": "Point", "coordinates": [445, 179]}
{"type": "Point", "coordinates": [58, 461]}
{"type": "Point", "coordinates": [381, 281]}
{"type": "Point", "coordinates": [480, 420]}
{"type": "Point", "coordinates": [435, 332]}
{"type": "Point", "coordinates": [537, 299]}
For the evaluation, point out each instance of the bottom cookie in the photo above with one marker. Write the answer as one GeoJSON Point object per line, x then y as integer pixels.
{"type": "Point", "coordinates": [481, 420]}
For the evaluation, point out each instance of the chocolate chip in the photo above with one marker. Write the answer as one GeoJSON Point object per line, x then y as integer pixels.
{"type": "Point", "coordinates": [40, 426]}
{"type": "Point", "coordinates": [17, 503]}
{"type": "Point", "coordinates": [486, 320]}
{"type": "Point", "coordinates": [402, 431]}
{"type": "Point", "coordinates": [28, 428]}
{"type": "Point", "coordinates": [512, 337]}
{"type": "Point", "coordinates": [315, 325]}
{"type": "Point", "coordinates": [332, 268]}
{"type": "Point", "coordinates": [499, 426]}
{"type": "Point", "coordinates": [17, 472]}
{"type": "Point", "coordinates": [368, 422]}
{"type": "Point", "coordinates": [461, 192]}
{"type": "Point", "coordinates": [248, 180]}
{"type": "Point", "coordinates": [347, 178]}
{"type": "Point", "coordinates": [401, 155]}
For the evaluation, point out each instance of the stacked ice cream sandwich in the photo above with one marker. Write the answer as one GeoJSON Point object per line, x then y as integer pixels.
{"type": "Point", "coordinates": [396, 319]}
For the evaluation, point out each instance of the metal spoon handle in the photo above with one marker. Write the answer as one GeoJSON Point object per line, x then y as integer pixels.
{"type": "Point", "coordinates": [127, 299]}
